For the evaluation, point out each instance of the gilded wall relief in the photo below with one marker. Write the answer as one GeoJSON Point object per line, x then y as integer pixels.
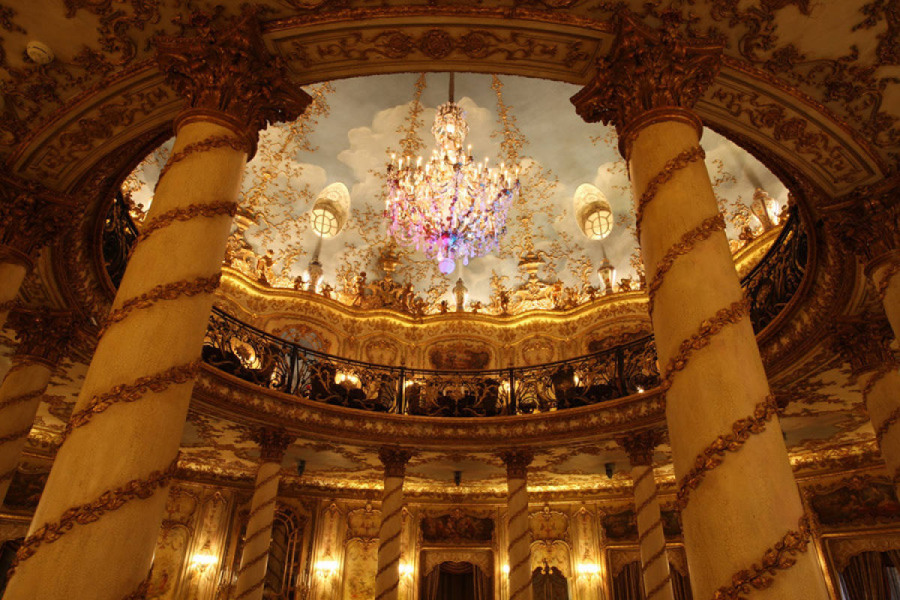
{"type": "Point", "coordinates": [460, 356]}
{"type": "Point", "coordinates": [537, 351]}
{"type": "Point", "coordinates": [305, 336]}
{"type": "Point", "coordinates": [855, 501]}
{"type": "Point", "coordinates": [456, 527]}
{"type": "Point", "coordinates": [382, 351]}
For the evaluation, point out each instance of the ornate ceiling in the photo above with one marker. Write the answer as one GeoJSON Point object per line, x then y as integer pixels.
{"type": "Point", "coordinates": [356, 124]}
{"type": "Point", "coordinates": [811, 89]}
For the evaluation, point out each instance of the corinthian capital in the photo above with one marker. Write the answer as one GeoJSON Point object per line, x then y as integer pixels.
{"type": "Point", "coordinates": [394, 459]}
{"type": "Point", "coordinates": [641, 446]}
{"type": "Point", "coordinates": [517, 461]}
{"type": "Point", "coordinates": [225, 72]}
{"type": "Point", "coordinates": [647, 72]}
{"type": "Point", "coordinates": [867, 220]}
{"type": "Point", "coordinates": [31, 217]}
{"type": "Point", "coordinates": [44, 336]}
{"type": "Point", "coordinates": [272, 442]}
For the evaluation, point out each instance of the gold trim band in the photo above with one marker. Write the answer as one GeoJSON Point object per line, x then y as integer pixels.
{"type": "Point", "coordinates": [90, 512]}
{"type": "Point", "coordinates": [714, 454]}
{"type": "Point", "coordinates": [167, 291]}
{"type": "Point", "coordinates": [761, 575]}
{"type": "Point", "coordinates": [217, 141]}
{"type": "Point", "coordinates": [131, 392]}
{"type": "Point", "coordinates": [213, 209]}
{"type": "Point", "coordinates": [682, 160]}
{"type": "Point", "coordinates": [685, 244]}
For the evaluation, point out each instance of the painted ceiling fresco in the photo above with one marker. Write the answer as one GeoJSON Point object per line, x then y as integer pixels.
{"type": "Point", "coordinates": [355, 125]}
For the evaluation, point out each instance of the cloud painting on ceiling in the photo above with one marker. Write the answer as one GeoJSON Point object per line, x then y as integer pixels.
{"type": "Point", "coordinates": [328, 168]}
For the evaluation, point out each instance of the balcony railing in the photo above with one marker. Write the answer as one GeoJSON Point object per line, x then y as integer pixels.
{"type": "Point", "coordinates": [270, 362]}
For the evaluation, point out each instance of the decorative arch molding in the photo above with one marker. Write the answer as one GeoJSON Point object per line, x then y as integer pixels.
{"type": "Point", "coordinates": [743, 101]}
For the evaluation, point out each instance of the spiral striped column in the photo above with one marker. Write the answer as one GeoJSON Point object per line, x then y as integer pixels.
{"type": "Point", "coordinates": [43, 338]}
{"type": "Point", "coordinates": [387, 578]}
{"type": "Point", "coordinates": [651, 539]}
{"type": "Point", "coordinates": [95, 528]}
{"type": "Point", "coordinates": [254, 559]}
{"type": "Point", "coordinates": [745, 530]}
{"type": "Point", "coordinates": [519, 533]}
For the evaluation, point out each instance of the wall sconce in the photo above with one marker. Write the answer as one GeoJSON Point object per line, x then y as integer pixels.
{"type": "Point", "coordinates": [588, 571]}
{"type": "Point", "coordinates": [406, 569]}
{"type": "Point", "coordinates": [607, 274]}
{"type": "Point", "coordinates": [204, 559]}
{"type": "Point", "coordinates": [505, 569]}
{"type": "Point", "coordinates": [326, 568]}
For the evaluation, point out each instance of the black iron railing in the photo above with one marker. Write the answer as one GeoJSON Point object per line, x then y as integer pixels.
{"type": "Point", "coordinates": [270, 362]}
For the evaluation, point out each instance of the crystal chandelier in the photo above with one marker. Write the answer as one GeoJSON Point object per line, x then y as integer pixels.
{"type": "Point", "coordinates": [449, 207]}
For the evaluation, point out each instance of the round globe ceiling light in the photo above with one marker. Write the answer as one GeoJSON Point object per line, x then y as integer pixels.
{"type": "Point", "coordinates": [592, 212]}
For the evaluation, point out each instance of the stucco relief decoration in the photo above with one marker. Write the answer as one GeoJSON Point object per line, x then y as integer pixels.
{"type": "Point", "coordinates": [456, 527]}
{"type": "Point", "coordinates": [538, 351]}
{"type": "Point", "coordinates": [363, 523]}
{"type": "Point", "coordinates": [382, 351]}
{"type": "Point", "coordinates": [304, 335]}
{"type": "Point", "coordinates": [459, 356]}
{"type": "Point", "coordinates": [549, 525]}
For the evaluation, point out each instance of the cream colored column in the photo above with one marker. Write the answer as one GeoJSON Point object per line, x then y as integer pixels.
{"type": "Point", "coordinates": [864, 341]}
{"type": "Point", "coordinates": [94, 531]}
{"type": "Point", "coordinates": [43, 338]}
{"type": "Point", "coordinates": [651, 539]}
{"type": "Point", "coordinates": [255, 556]}
{"type": "Point", "coordinates": [31, 217]}
{"type": "Point", "coordinates": [518, 529]}
{"type": "Point", "coordinates": [745, 530]}
{"type": "Point", "coordinates": [387, 578]}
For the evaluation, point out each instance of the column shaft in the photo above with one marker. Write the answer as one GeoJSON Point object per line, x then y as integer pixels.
{"type": "Point", "coordinates": [12, 274]}
{"type": "Point", "coordinates": [744, 523]}
{"type": "Point", "coordinates": [98, 517]}
{"type": "Point", "coordinates": [519, 539]}
{"type": "Point", "coordinates": [20, 394]}
{"type": "Point", "coordinates": [652, 540]}
{"type": "Point", "coordinates": [885, 274]}
{"type": "Point", "coordinates": [254, 559]}
{"type": "Point", "coordinates": [880, 395]}
{"type": "Point", "coordinates": [387, 579]}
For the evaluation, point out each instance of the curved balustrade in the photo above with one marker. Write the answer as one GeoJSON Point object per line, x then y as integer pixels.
{"type": "Point", "coordinates": [629, 368]}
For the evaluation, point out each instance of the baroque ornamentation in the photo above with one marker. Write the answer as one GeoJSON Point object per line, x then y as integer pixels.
{"type": "Point", "coordinates": [31, 217]}
{"type": "Point", "coordinates": [83, 514]}
{"type": "Point", "coordinates": [131, 392]}
{"type": "Point", "coordinates": [168, 291]}
{"type": "Point", "coordinates": [394, 459]}
{"type": "Point", "coordinates": [646, 71]}
{"type": "Point", "coordinates": [714, 454]}
{"type": "Point", "coordinates": [867, 221]}
{"type": "Point", "coordinates": [517, 461]}
{"type": "Point", "coordinates": [213, 209]}
{"type": "Point", "coordinates": [780, 557]}
{"type": "Point", "coordinates": [224, 68]}
{"type": "Point", "coordinates": [272, 443]}
{"type": "Point", "coordinates": [641, 446]}
{"type": "Point", "coordinates": [43, 335]}
{"type": "Point", "coordinates": [682, 160]}
{"type": "Point", "coordinates": [863, 341]}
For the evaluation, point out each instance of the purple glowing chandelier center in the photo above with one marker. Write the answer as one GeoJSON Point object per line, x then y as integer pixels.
{"type": "Point", "coordinates": [449, 207]}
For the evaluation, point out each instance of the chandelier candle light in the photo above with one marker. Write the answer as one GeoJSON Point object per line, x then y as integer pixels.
{"type": "Point", "coordinates": [449, 207]}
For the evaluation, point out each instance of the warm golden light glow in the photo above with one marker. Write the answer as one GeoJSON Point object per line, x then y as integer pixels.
{"type": "Point", "coordinates": [326, 568]}
{"type": "Point", "coordinates": [588, 569]}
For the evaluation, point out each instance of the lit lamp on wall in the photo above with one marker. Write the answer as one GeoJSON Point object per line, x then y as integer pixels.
{"type": "Point", "coordinates": [326, 568]}
{"type": "Point", "coordinates": [204, 559]}
{"type": "Point", "coordinates": [607, 274]}
{"type": "Point", "coordinates": [406, 570]}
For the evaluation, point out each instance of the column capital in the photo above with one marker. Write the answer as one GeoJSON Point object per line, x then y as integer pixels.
{"type": "Point", "coordinates": [649, 75]}
{"type": "Point", "coordinates": [31, 217]}
{"type": "Point", "coordinates": [641, 446]}
{"type": "Point", "coordinates": [227, 75]}
{"type": "Point", "coordinates": [864, 341]}
{"type": "Point", "coordinates": [517, 461]}
{"type": "Point", "coordinates": [867, 221]}
{"type": "Point", "coordinates": [394, 459]}
{"type": "Point", "coordinates": [43, 335]}
{"type": "Point", "coordinates": [272, 442]}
